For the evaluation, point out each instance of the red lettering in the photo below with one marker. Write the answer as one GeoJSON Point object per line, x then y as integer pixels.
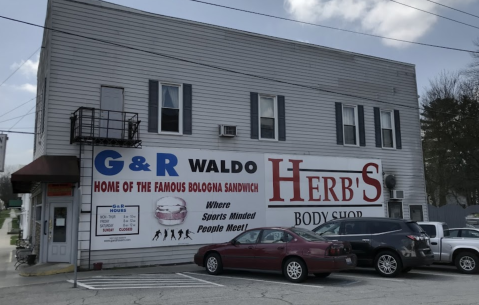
{"type": "Point", "coordinates": [371, 181]}
{"type": "Point", "coordinates": [328, 189]}
{"type": "Point", "coordinates": [97, 186]}
{"type": "Point", "coordinates": [348, 188]}
{"type": "Point", "coordinates": [277, 179]}
{"type": "Point", "coordinates": [311, 188]}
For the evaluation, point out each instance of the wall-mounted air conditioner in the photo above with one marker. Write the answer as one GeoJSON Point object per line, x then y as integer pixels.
{"type": "Point", "coordinates": [397, 194]}
{"type": "Point", "coordinates": [227, 131]}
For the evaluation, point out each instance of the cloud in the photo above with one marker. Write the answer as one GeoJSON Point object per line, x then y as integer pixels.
{"type": "Point", "coordinates": [29, 68]}
{"type": "Point", "coordinates": [27, 87]}
{"type": "Point", "coordinates": [378, 17]}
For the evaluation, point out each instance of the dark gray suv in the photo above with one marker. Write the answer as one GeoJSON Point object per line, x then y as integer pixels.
{"type": "Point", "coordinates": [392, 246]}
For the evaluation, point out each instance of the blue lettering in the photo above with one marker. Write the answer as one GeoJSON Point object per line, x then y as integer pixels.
{"type": "Point", "coordinates": [113, 167]}
{"type": "Point", "coordinates": [166, 163]}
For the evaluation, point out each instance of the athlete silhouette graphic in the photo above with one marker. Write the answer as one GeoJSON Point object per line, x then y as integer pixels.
{"type": "Point", "coordinates": [187, 235]}
{"type": "Point", "coordinates": [157, 235]}
{"type": "Point", "coordinates": [180, 233]}
{"type": "Point", "coordinates": [173, 235]}
{"type": "Point", "coordinates": [166, 234]}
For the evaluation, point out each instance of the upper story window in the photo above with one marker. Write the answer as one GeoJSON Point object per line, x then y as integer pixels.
{"type": "Point", "coordinates": [268, 117]}
{"type": "Point", "coordinates": [171, 110]}
{"type": "Point", "coordinates": [350, 125]}
{"type": "Point", "coordinates": [387, 128]}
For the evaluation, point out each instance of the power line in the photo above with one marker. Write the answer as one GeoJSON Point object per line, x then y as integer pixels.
{"type": "Point", "coordinates": [21, 118]}
{"type": "Point", "coordinates": [19, 67]}
{"type": "Point", "coordinates": [334, 28]}
{"type": "Point", "coordinates": [22, 132]}
{"type": "Point", "coordinates": [219, 68]}
{"type": "Point", "coordinates": [427, 12]}
{"type": "Point", "coordinates": [20, 106]}
{"type": "Point", "coordinates": [453, 8]}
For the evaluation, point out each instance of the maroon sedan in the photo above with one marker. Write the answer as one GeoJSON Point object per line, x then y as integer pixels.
{"type": "Point", "coordinates": [295, 252]}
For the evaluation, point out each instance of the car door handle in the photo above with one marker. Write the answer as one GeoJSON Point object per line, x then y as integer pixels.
{"type": "Point", "coordinates": [280, 248]}
{"type": "Point", "coordinates": [368, 240]}
{"type": "Point", "coordinates": [250, 247]}
{"type": "Point", "coordinates": [434, 243]}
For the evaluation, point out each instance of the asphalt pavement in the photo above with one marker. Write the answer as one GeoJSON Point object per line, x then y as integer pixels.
{"type": "Point", "coordinates": [188, 284]}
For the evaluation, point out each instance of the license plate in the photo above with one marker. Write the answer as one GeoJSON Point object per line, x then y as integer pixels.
{"type": "Point", "coordinates": [348, 261]}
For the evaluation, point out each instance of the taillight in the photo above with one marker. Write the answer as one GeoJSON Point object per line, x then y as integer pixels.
{"type": "Point", "coordinates": [336, 250]}
{"type": "Point", "coordinates": [416, 238]}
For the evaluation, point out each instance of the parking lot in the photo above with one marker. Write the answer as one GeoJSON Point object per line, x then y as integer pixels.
{"type": "Point", "coordinates": [433, 285]}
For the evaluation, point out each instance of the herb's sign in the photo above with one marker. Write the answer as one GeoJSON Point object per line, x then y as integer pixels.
{"type": "Point", "coordinates": [162, 197]}
{"type": "Point", "coordinates": [3, 149]}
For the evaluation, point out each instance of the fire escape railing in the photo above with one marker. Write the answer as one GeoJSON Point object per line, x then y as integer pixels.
{"type": "Point", "coordinates": [105, 127]}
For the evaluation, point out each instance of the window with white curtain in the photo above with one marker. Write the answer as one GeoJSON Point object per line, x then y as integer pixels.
{"type": "Point", "coordinates": [171, 111]}
{"type": "Point", "coordinates": [268, 114]}
{"type": "Point", "coordinates": [350, 125]}
{"type": "Point", "coordinates": [387, 128]}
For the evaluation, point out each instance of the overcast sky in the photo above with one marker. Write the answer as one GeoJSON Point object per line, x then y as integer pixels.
{"type": "Point", "coordinates": [380, 17]}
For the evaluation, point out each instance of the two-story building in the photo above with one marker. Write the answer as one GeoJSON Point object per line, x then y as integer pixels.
{"type": "Point", "coordinates": [156, 135]}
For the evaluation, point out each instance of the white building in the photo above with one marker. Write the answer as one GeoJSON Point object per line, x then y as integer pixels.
{"type": "Point", "coordinates": [316, 131]}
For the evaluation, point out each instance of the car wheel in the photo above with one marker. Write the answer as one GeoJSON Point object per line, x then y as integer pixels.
{"type": "Point", "coordinates": [295, 270]}
{"type": "Point", "coordinates": [388, 264]}
{"type": "Point", "coordinates": [467, 262]}
{"type": "Point", "coordinates": [406, 270]}
{"type": "Point", "coordinates": [213, 264]}
{"type": "Point", "coordinates": [322, 275]}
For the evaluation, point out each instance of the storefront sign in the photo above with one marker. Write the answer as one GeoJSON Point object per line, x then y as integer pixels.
{"type": "Point", "coordinates": [162, 197]}
{"type": "Point", "coordinates": [3, 149]}
{"type": "Point", "coordinates": [60, 190]}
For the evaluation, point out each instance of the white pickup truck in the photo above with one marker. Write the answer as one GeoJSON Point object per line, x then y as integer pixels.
{"type": "Point", "coordinates": [454, 246]}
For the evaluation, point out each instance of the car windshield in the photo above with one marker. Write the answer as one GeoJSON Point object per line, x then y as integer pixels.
{"type": "Point", "coordinates": [307, 234]}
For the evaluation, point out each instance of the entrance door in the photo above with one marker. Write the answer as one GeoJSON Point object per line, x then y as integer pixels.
{"type": "Point", "coordinates": [111, 124]}
{"type": "Point", "coordinates": [59, 237]}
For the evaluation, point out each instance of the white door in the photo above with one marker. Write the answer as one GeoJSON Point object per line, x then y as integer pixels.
{"type": "Point", "coordinates": [111, 124]}
{"type": "Point", "coordinates": [59, 232]}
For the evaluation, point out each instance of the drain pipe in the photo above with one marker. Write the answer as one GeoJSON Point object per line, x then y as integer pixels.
{"type": "Point", "coordinates": [76, 226]}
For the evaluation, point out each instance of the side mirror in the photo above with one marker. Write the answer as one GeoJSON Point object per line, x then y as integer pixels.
{"type": "Point", "coordinates": [234, 242]}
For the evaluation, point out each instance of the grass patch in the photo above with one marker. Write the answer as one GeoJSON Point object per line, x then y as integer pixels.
{"type": "Point", "coordinates": [13, 240]}
{"type": "Point", "coordinates": [4, 215]}
{"type": "Point", "coordinates": [15, 223]}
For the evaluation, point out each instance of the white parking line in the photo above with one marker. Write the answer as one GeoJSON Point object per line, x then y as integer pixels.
{"type": "Point", "coordinates": [369, 278]}
{"type": "Point", "coordinates": [249, 279]}
{"type": "Point", "coordinates": [441, 274]}
{"type": "Point", "coordinates": [197, 279]}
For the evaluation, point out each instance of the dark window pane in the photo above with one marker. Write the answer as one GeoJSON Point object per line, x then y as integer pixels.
{"type": "Point", "coordinates": [395, 209]}
{"type": "Point", "coordinates": [60, 225]}
{"type": "Point", "coordinates": [413, 226]}
{"type": "Point", "coordinates": [387, 138]}
{"type": "Point", "coordinates": [248, 237]}
{"type": "Point", "coordinates": [267, 128]}
{"type": "Point", "coordinates": [272, 236]}
{"type": "Point", "coordinates": [430, 230]}
{"type": "Point", "coordinates": [170, 120]}
{"type": "Point", "coordinates": [452, 233]}
{"type": "Point", "coordinates": [350, 134]}
{"type": "Point", "coordinates": [384, 226]}
{"type": "Point", "coordinates": [355, 228]}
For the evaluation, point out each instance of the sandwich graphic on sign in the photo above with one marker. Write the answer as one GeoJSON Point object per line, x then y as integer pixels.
{"type": "Point", "coordinates": [170, 211]}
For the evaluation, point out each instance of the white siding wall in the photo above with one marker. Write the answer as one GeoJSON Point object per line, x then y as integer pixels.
{"type": "Point", "coordinates": [79, 67]}
{"type": "Point", "coordinates": [41, 110]}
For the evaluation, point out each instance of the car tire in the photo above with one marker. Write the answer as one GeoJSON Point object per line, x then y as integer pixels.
{"type": "Point", "coordinates": [467, 262]}
{"type": "Point", "coordinates": [322, 275]}
{"type": "Point", "coordinates": [406, 270]}
{"type": "Point", "coordinates": [388, 264]}
{"type": "Point", "coordinates": [295, 270]}
{"type": "Point", "coordinates": [213, 264]}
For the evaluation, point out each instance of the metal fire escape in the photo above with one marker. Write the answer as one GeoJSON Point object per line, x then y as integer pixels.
{"type": "Point", "coordinates": [92, 127]}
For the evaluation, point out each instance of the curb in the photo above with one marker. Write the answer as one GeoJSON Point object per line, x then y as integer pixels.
{"type": "Point", "coordinates": [67, 269]}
